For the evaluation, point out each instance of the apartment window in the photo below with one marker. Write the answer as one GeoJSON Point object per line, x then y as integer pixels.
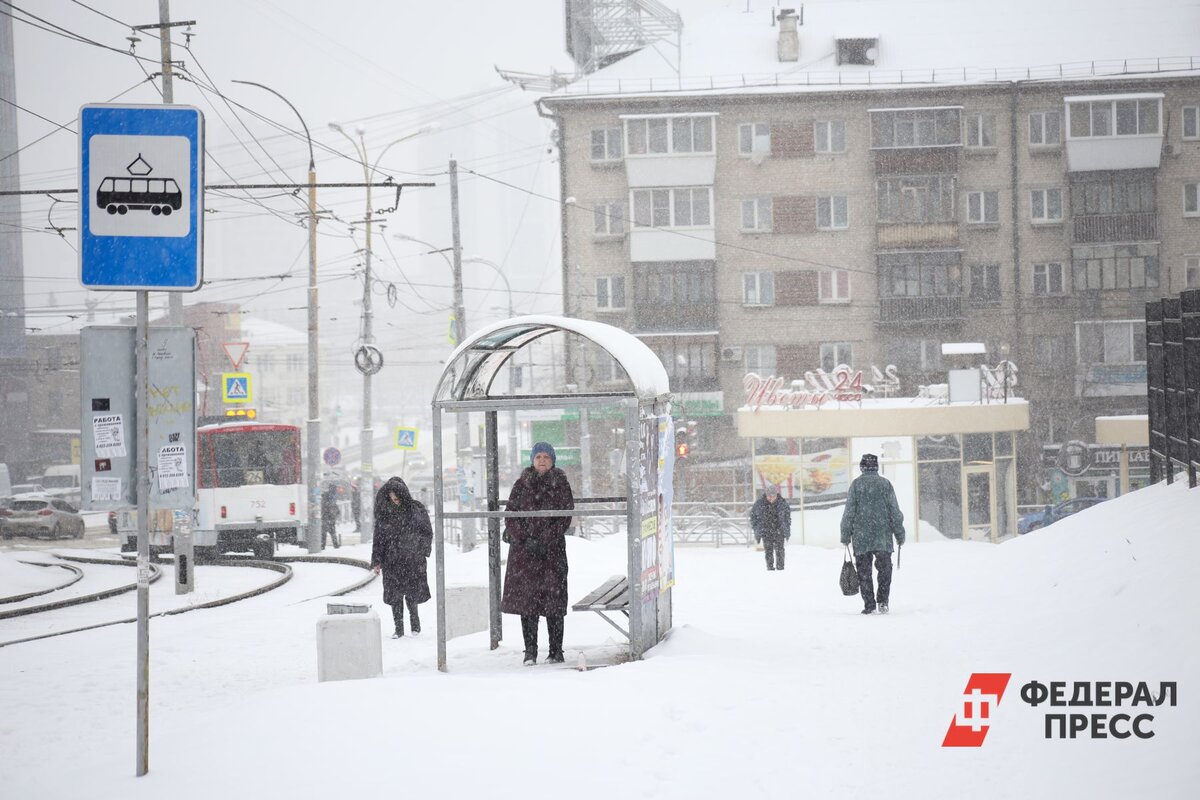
{"type": "Point", "coordinates": [834, 286]}
{"type": "Point", "coordinates": [758, 288]}
{"type": "Point", "coordinates": [833, 213]}
{"type": "Point", "coordinates": [983, 207]}
{"type": "Point", "coordinates": [985, 282]}
{"type": "Point", "coordinates": [1112, 193]}
{"type": "Point", "coordinates": [609, 218]}
{"type": "Point", "coordinates": [756, 214]}
{"type": "Point", "coordinates": [1045, 128]}
{"type": "Point", "coordinates": [1049, 354]}
{"type": "Point", "coordinates": [1111, 342]}
{"type": "Point", "coordinates": [295, 361]}
{"type": "Point", "coordinates": [610, 293]}
{"type": "Point", "coordinates": [1045, 205]}
{"type": "Point", "coordinates": [1115, 267]}
{"type": "Point", "coordinates": [916, 198]}
{"type": "Point", "coordinates": [675, 288]}
{"type": "Point", "coordinates": [1116, 117]}
{"type": "Point", "coordinates": [834, 354]}
{"type": "Point", "coordinates": [265, 362]}
{"type": "Point", "coordinates": [920, 274]}
{"type": "Point", "coordinates": [672, 208]}
{"type": "Point", "coordinates": [830, 136]}
{"type": "Point", "coordinates": [1191, 122]}
{"type": "Point", "coordinates": [1191, 199]}
{"type": "Point", "coordinates": [919, 355]}
{"type": "Point", "coordinates": [606, 144]}
{"type": "Point", "coordinates": [981, 130]}
{"type": "Point", "coordinates": [666, 135]}
{"type": "Point", "coordinates": [684, 358]}
{"type": "Point", "coordinates": [754, 138]}
{"type": "Point", "coordinates": [915, 127]}
{"type": "Point", "coordinates": [1048, 279]}
{"type": "Point", "coordinates": [1191, 272]}
{"type": "Point", "coordinates": [759, 358]}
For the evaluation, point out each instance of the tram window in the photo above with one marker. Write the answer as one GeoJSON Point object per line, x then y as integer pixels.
{"type": "Point", "coordinates": [172, 186]}
{"type": "Point", "coordinates": [120, 184]}
{"type": "Point", "coordinates": [106, 185]}
{"type": "Point", "coordinates": [157, 186]}
{"type": "Point", "coordinates": [139, 185]}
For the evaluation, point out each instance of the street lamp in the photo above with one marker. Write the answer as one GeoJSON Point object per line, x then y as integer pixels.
{"type": "Point", "coordinates": [370, 365]}
{"type": "Point", "coordinates": [313, 539]}
{"type": "Point", "coordinates": [513, 457]}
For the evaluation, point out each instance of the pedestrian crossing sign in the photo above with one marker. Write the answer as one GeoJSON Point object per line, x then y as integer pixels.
{"type": "Point", "coordinates": [235, 387]}
{"type": "Point", "coordinates": [406, 438]}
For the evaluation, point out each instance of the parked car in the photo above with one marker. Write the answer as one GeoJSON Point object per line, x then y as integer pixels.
{"type": "Point", "coordinates": [1040, 519]}
{"type": "Point", "coordinates": [40, 516]}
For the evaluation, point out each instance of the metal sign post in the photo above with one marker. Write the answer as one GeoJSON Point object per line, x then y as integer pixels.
{"type": "Point", "coordinates": [141, 194]}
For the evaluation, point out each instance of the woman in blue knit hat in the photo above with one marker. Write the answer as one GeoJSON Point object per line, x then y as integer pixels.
{"type": "Point", "coordinates": [535, 580]}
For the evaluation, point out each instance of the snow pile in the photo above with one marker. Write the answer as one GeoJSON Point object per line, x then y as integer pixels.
{"type": "Point", "coordinates": [771, 685]}
{"type": "Point", "coordinates": [17, 578]}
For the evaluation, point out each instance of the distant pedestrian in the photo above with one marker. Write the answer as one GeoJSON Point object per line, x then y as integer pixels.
{"type": "Point", "coordinates": [771, 521]}
{"type": "Point", "coordinates": [403, 541]}
{"type": "Point", "coordinates": [535, 580]}
{"type": "Point", "coordinates": [329, 516]}
{"type": "Point", "coordinates": [871, 520]}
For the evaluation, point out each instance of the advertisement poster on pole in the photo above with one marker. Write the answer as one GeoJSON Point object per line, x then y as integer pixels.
{"type": "Point", "coordinates": [666, 494]}
{"type": "Point", "coordinates": [649, 499]}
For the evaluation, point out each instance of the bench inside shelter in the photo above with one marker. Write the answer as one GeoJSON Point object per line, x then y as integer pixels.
{"type": "Point", "coordinates": [612, 595]}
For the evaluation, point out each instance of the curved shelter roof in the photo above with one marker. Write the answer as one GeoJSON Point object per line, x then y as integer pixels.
{"type": "Point", "coordinates": [474, 364]}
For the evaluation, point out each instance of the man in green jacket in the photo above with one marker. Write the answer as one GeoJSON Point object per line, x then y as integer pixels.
{"type": "Point", "coordinates": [872, 517]}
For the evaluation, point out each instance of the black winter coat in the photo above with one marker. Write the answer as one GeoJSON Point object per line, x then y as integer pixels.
{"type": "Point", "coordinates": [771, 520]}
{"type": "Point", "coordinates": [403, 540]}
{"type": "Point", "coordinates": [535, 580]}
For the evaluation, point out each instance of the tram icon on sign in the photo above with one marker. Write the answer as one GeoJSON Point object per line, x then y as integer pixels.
{"type": "Point", "coordinates": [139, 192]}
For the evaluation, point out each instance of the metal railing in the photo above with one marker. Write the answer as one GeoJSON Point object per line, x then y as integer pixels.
{"type": "Point", "coordinates": [897, 310]}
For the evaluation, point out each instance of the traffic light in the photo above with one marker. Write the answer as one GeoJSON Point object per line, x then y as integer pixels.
{"type": "Point", "coordinates": [681, 449]}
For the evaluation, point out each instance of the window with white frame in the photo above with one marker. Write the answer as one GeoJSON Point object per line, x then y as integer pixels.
{"type": "Point", "coordinates": [756, 214]}
{"type": "Point", "coordinates": [610, 293]}
{"type": "Point", "coordinates": [834, 354]}
{"type": "Point", "coordinates": [759, 358]}
{"type": "Point", "coordinates": [672, 208]}
{"type": "Point", "coordinates": [1111, 342]}
{"type": "Point", "coordinates": [985, 282]}
{"type": "Point", "coordinates": [1049, 354]}
{"type": "Point", "coordinates": [609, 218]}
{"type": "Point", "coordinates": [295, 361]}
{"type": "Point", "coordinates": [758, 288]}
{"type": "Point", "coordinates": [754, 137]}
{"type": "Point", "coordinates": [915, 127]}
{"type": "Point", "coordinates": [1045, 128]}
{"type": "Point", "coordinates": [668, 135]}
{"type": "Point", "coordinates": [1045, 205]}
{"type": "Point", "coordinates": [1048, 279]}
{"type": "Point", "coordinates": [1191, 272]}
{"type": "Point", "coordinates": [606, 144]}
{"type": "Point", "coordinates": [916, 198]}
{"type": "Point", "coordinates": [1191, 199]}
{"type": "Point", "coordinates": [829, 136]}
{"type": "Point", "coordinates": [834, 286]}
{"type": "Point", "coordinates": [1115, 117]}
{"type": "Point", "coordinates": [981, 130]}
{"type": "Point", "coordinates": [983, 208]}
{"type": "Point", "coordinates": [1190, 118]}
{"type": "Point", "coordinates": [833, 213]}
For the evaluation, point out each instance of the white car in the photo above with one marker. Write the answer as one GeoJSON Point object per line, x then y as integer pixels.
{"type": "Point", "coordinates": [40, 516]}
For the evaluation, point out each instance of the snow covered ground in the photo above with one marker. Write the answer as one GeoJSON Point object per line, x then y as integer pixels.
{"type": "Point", "coordinates": [771, 684]}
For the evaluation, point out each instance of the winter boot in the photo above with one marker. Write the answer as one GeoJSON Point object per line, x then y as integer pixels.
{"type": "Point", "coordinates": [398, 633]}
{"type": "Point", "coordinates": [530, 658]}
{"type": "Point", "coordinates": [868, 611]}
{"type": "Point", "coordinates": [883, 609]}
{"type": "Point", "coordinates": [555, 658]}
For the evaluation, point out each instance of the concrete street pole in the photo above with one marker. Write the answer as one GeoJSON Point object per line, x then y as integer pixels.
{"type": "Point", "coordinates": [462, 420]}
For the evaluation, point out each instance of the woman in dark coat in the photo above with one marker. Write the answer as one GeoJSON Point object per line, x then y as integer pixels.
{"type": "Point", "coordinates": [535, 581]}
{"type": "Point", "coordinates": [403, 540]}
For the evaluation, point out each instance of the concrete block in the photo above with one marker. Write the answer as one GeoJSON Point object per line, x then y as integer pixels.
{"type": "Point", "coordinates": [349, 646]}
{"type": "Point", "coordinates": [466, 610]}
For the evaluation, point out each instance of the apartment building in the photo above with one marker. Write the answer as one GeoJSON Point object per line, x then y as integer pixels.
{"type": "Point", "coordinates": [863, 216]}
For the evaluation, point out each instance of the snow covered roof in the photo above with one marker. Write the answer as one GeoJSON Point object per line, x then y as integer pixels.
{"type": "Point", "coordinates": [474, 363]}
{"type": "Point", "coordinates": [932, 42]}
{"type": "Point", "coordinates": [963, 348]}
{"type": "Point", "coordinates": [259, 332]}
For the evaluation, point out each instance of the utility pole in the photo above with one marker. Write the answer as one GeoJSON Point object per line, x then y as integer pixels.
{"type": "Point", "coordinates": [174, 299]}
{"type": "Point", "coordinates": [462, 421]}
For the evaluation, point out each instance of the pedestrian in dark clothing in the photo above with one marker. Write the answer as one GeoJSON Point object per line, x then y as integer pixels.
{"type": "Point", "coordinates": [535, 581]}
{"type": "Point", "coordinates": [329, 516]}
{"type": "Point", "coordinates": [771, 521]}
{"type": "Point", "coordinates": [403, 540]}
{"type": "Point", "coordinates": [871, 519]}
{"type": "Point", "coordinates": [356, 504]}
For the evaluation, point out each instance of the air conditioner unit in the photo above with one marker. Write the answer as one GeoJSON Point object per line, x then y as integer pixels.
{"type": "Point", "coordinates": [731, 354]}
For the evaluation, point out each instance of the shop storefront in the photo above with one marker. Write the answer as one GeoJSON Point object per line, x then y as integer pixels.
{"type": "Point", "coordinates": [953, 465]}
{"type": "Point", "coordinates": [1117, 463]}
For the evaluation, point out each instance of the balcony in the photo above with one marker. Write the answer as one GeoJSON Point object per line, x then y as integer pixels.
{"type": "Point", "coordinates": [908, 236]}
{"type": "Point", "coordinates": [907, 310]}
{"type": "Point", "coordinates": [1138, 227]}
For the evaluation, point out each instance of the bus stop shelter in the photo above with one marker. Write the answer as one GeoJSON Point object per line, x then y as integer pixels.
{"type": "Point", "coordinates": [466, 387]}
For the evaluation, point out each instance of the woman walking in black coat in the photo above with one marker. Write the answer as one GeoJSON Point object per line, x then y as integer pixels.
{"type": "Point", "coordinates": [535, 581]}
{"type": "Point", "coordinates": [403, 540]}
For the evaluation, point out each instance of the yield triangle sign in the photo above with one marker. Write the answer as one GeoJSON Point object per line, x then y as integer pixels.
{"type": "Point", "coordinates": [236, 351]}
